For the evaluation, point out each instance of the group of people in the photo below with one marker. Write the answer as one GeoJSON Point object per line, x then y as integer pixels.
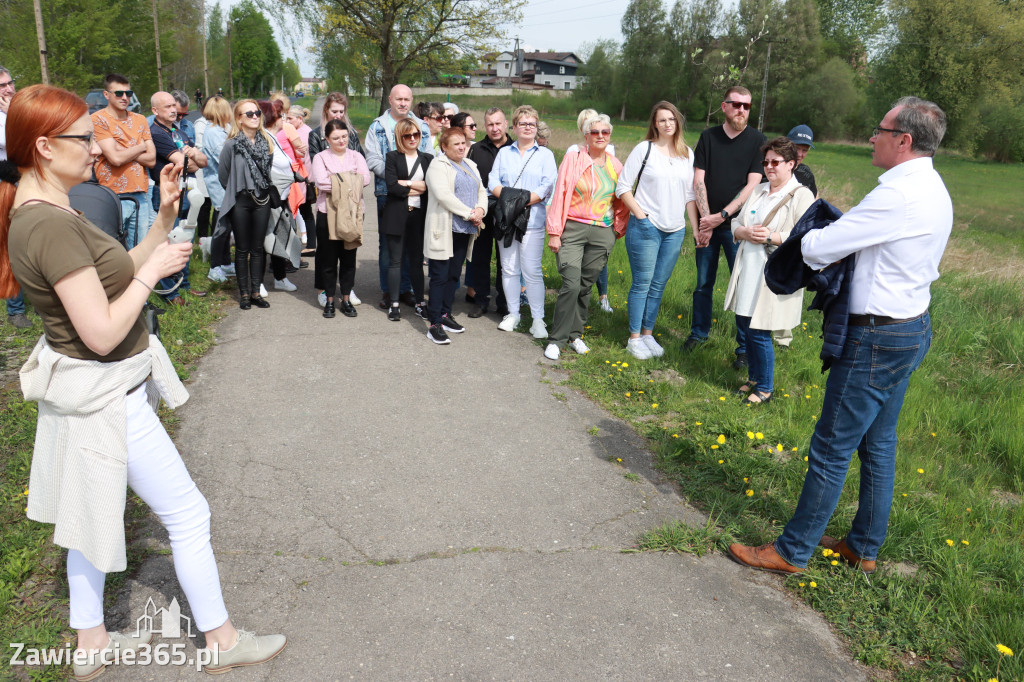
{"type": "Point", "coordinates": [98, 369]}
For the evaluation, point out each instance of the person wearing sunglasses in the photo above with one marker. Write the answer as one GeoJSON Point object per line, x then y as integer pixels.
{"type": "Point", "coordinates": [764, 222]}
{"type": "Point", "coordinates": [726, 169]}
{"type": "Point", "coordinates": [465, 121]}
{"type": "Point", "coordinates": [432, 114]}
{"type": "Point", "coordinates": [98, 375]}
{"type": "Point", "coordinates": [583, 223]}
{"type": "Point", "coordinates": [405, 171]}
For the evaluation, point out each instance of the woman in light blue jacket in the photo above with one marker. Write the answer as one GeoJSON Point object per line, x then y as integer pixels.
{"type": "Point", "coordinates": [218, 112]}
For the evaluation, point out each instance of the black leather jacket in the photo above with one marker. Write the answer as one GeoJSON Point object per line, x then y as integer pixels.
{"type": "Point", "coordinates": [511, 214]}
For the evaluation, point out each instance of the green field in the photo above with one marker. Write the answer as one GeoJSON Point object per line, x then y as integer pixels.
{"type": "Point", "coordinates": [953, 565]}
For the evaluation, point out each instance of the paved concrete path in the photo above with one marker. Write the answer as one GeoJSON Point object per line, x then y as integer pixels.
{"type": "Point", "coordinates": [406, 511]}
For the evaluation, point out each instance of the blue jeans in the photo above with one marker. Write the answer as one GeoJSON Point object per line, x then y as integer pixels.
{"type": "Point", "coordinates": [16, 304]}
{"type": "Point", "coordinates": [133, 217]}
{"type": "Point", "coordinates": [652, 257]}
{"type": "Point", "coordinates": [169, 282]}
{"type": "Point", "coordinates": [384, 256]}
{"type": "Point", "coordinates": [602, 282]}
{"type": "Point", "coordinates": [863, 398]}
{"type": "Point", "coordinates": [760, 355]}
{"type": "Point", "coordinates": [707, 271]}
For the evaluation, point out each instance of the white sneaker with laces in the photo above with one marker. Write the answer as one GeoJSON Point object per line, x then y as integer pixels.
{"type": "Point", "coordinates": [321, 298]}
{"type": "Point", "coordinates": [606, 306]}
{"type": "Point", "coordinates": [228, 269]}
{"type": "Point", "coordinates": [284, 285]}
{"type": "Point", "coordinates": [353, 299]}
{"type": "Point", "coordinates": [509, 322]}
{"type": "Point", "coordinates": [263, 291]}
{"type": "Point", "coordinates": [638, 349]}
{"type": "Point", "coordinates": [652, 345]}
{"type": "Point", "coordinates": [580, 347]}
{"type": "Point", "coordinates": [539, 329]}
{"type": "Point", "coordinates": [216, 275]}
{"type": "Point", "coordinates": [552, 352]}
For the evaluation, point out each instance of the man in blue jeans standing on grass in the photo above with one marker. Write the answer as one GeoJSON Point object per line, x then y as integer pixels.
{"type": "Point", "coordinates": [726, 169]}
{"type": "Point", "coordinates": [897, 235]}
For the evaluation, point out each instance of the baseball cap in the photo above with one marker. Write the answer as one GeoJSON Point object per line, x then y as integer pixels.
{"type": "Point", "coordinates": [802, 134]}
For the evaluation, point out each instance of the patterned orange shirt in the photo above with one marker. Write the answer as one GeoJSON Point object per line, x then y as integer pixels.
{"type": "Point", "coordinates": [131, 177]}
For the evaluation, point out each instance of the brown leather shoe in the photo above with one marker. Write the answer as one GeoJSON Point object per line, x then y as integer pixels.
{"type": "Point", "coordinates": [178, 301]}
{"type": "Point", "coordinates": [195, 292]}
{"type": "Point", "coordinates": [763, 558]}
{"type": "Point", "coordinates": [840, 548]}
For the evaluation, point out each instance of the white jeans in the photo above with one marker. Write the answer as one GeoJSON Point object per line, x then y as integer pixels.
{"type": "Point", "coordinates": [524, 258]}
{"type": "Point", "coordinates": [157, 475]}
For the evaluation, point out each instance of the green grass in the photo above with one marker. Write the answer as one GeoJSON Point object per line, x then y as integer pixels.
{"type": "Point", "coordinates": [33, 585]}
{"type": "Point", "coordinates": [941, 615]}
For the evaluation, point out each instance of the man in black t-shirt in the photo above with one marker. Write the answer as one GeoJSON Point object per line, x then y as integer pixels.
{"type": "Point", "coordinates": [726, 168]}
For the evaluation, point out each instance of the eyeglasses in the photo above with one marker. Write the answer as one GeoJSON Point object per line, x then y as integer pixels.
{"type": "Point", "coordinates": [411, 136]}
{"type": "Point", "coordinates": [738, 105]}
{"type": "Point", "coordinates": [252, 114]}
{"type": "Point", "coordinates": [86, 138]}
{"type": "Point", "coordinates": [471, 126]}
{"type": "Point", "coordinates": [446, 117]}
{"type": "Point", "coordinates": [600, 133]}
{"type": "Point", "coordinates": [526, 124]}
{"type": "Point", "coordinates": [122, 93]}
{"type": "Point", "coordinates": [774, 163]}
{"type": "Point", "coordinates": [8, 84]}
{"type": "Point", "coordinates": [880, 129]}
{"type": "Point", "coordinates": [437, 118]}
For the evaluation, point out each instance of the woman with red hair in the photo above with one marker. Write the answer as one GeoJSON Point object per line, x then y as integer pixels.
{"type": "Point", "coordinates": [97, 375]}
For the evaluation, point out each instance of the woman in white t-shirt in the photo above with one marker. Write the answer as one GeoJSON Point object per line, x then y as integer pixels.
{"type": "Point", "coordinates": [656, 184]}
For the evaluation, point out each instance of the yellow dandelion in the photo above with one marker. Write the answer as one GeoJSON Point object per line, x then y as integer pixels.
{"type": "Point", "coordinates": [750, 435]}
{"type": "Point", "coordinates": [814, 417]}
{"type": "Point", "coordinates": [679, 317]}
{"type": "Point", "coordinates": [920, 471]}
{"type": "Point", "coordinates": [721, 397]}
{"type": "Point", "coordinates": [1004, 650]}
{"type": "Point", "coordinates": [618, 459]}
{"type": "Point", "coordinates": [675, 435]}
{"type": "Point", "coordinates": [640, 392]}
{"type": "Point", "coordinates": [807, 397]}
{"type": "Point", "coordinates": [607, 362]}
{"type": "Point", "coordinates": [714, 447]}
{"type": "Point", "coordinates": [835, 563]}
{"type": "Point", "coordinates": [721, 439]}
{"type": "Point", "coordinates": [949, 542]}
{"type": "Point", "coordinates": [968, 509]}
{"type": "Point", "coordinates": [625, 364]}
{"type": "Point", "coordinates": [698, 423]}
{"type": "Point", "coordinates": [785, 395]}
{"type": "Point", "coordinates": [827, 552]}
{"type": "Point", "coordinates": [745, 479]}
{"type": "Point", "coordinates": [654, 406]}
{"type": "Point", "coordinates": [805, 456]}
{"type": "Point", "coordinates": [934, 434]}
{"type": "Point", "coordinates": [802, 584]}
{"type": "Point", "coordinates": [779, 447]}
{"type": "Point", "coordinates": [964, 542]}
{"type": "Point", "coordinates": [627, 394]}
{"type": "Point", "coordinates": [620, 272]}
{"type": "Point", "coordinates": [904, 494]}
{"type": "Point", "coordinates": [721, 461]}
{"type": "Point", "coordinates": [814, 584]}
{"type": "Point", "coordinates": [750, 493]}
{"type": "Point", "coordinates": [759, 435]}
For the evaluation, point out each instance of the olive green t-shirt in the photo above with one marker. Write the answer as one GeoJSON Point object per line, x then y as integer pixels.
{"type": "Point", "coordinates": [45, 244]}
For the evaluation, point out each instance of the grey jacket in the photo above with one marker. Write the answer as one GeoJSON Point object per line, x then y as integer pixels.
{"type": "Point", "coordinates": [234, 177]}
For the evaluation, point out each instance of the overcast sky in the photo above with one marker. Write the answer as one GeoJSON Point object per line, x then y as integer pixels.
{"type": "Point", "coordinates": [557, 26]}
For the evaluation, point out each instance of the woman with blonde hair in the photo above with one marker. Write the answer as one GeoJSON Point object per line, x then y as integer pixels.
{"type": "Point", "coordinates": [98, 375]}
{"type": "Point", "coordinates": [218, 112]}
{"type": "Point", "coordinates": [244, 172]}
{"type": "Point", "coordinates": [525, 165]}
{"type": "Point", "coordinates": [657, 186]}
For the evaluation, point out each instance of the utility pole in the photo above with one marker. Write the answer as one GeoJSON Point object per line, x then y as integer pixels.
{"type": "Point", "coordinates": [764, 88]}
{"type": "Point", "coordinates": [206, 66]}
{"type": "Point", "coordinates": [231, 72]}
{"type": "Point", "coordinates": [156, 40]}
{"type": "Point", "coordinates": [41, 36]}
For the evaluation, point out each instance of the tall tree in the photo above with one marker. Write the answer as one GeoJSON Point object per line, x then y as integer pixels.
{"type": "Point", "coordinates": [404, 37]}
{"type": "Point", "coordinates": [255, 55]}
{"type": "Point", "coordinates": [643, 26]}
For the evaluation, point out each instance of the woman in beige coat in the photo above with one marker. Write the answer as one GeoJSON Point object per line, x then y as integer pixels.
{"type": "Point", "coordinates": [764, 222]}
{"type": "Point", "coordinates": [456, 205]}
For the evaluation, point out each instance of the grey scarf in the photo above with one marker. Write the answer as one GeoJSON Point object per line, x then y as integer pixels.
{"type": "Point", "coordinates": [257, 158]}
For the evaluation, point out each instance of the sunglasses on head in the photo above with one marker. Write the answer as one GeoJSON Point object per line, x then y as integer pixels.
{"type": "Point", "coordinates": [739, 105]}
{"type": "Point", "coordinates": [252, 114]}
{"type": "Point", "coordinates": [121, 93]}
{"type": "Point", "coordinates": [411, 136]}
{"type": "Point", "coordinates": [774, 163]}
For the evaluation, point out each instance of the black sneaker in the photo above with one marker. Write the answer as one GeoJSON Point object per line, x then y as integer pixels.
{"type": "Point", "coordinates": [437, 335]}
{"type": "Point", "coordinates": [691, 344]}
{"type": "Point", "coordinates": [421, 311]}
{"type": "Point", "coordinates": [395, 313]}
{"type": "Point", "coordinates": [449, 324]}
{"type": "Point", "coordinates": [740, 362]}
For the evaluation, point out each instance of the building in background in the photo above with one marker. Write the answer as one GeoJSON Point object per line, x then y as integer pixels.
{"type": "Point", "coordinates": [528, 71]}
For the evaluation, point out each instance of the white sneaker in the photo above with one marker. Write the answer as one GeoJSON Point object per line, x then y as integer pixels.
{"type": "Point", "coordinates": [539, 329]}
{"type": "Point", "coordinates": [509, 322]}
{"type": "Point", "coordinates": [638, 349]}
{"type": "Point", "coordinates": [302, 238]}
{"type": "Point", "coordinates": [216, 275]}
{"type": "Point", "coordinates": [652, 345]}
{"type": "Point", "coordinates": [321, 298]}
{"type": "Point", "coordinates": [606, 306]}
{"type": "Point", "coordinates": [204, 248]}
{"type": "Point", "coordinates": [284, 285]}
{"type": "Point", "coordinates": [353, 299]}
{"type": "Point", "coordinates": [552, 352]}
{"type": "Point", "coordinates": [263, 291]}
{"type": "Point", "coordinates": [580, 347]}
{"type": "Point", "coordinates": [228, 269]}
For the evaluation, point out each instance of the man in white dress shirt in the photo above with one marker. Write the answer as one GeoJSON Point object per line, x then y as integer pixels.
{"type": "Point", "coordinates": [897, 235]}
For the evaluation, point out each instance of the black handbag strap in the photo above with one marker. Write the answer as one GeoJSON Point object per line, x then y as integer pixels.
{"type": "Point", "coordinates": [415, 165]}
{"type": "Point", "coordinates": [643, 165]}
{"type": "Point", "coordinates": [524, 166]}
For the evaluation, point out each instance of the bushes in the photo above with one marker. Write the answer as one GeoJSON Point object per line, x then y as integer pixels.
{"type": "Point", "coordinates": [828, 100]}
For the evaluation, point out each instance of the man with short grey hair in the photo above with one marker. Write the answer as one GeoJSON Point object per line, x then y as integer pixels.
{"type": "Point", "coordinates": [896, 236]}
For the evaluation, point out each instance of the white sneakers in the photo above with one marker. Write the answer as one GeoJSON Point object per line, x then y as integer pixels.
{"type": "Point", "coordinates": [509, 322]}
{"type": "Point", "coordinates": [284, 285]}
{"type": "Point", "coordinates": [352, 298]}
{"type": "Point", "coordinates": [552, 352]}
{"type": "Point", "coordinates": [578, 346]}
{"type": "Point", "coordinates": [216, 275]}
{"type": "Point", "coordinates": [638, 349]}
{"type": "Point", "coordinates": [652, 345]}
{"type": "Point", "coordinates": [228, 269]}
{"type": "Point", "coordinates": [321, 298]}
{"type": "Point", "coordinates": [263, 291]}
{"type": "Point", "coordinates": [606, 306]}
{"type": "Point", "coordinates": [539, 329]}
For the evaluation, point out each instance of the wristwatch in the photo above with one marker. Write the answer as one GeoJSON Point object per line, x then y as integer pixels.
{"type": "Point", "coordinates": [725, 214]}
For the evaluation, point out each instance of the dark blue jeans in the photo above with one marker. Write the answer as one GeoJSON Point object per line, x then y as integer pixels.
{"type": "Point", "coordinates": [16, 304]}
{"type": "Point", "coordinates": [760, 355]}
{"type": "Point", "coordinates": [444, 279]}
{"type": "Point", "coordinates": [863, 398]}
{"type": "Point", "coordinates": [707, 271]}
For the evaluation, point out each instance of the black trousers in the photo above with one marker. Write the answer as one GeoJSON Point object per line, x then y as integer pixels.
{"type": "Point", "coordinates": [220, 247]}
{"type": "Point", "coordinates": [249, 222]}
{"type": "Point", "coordinates": [483, 247]}
{"type": "Point", "coordinates": [407, 248]}
{"type": "Point", "coordinates": [444, 279]}
{"type": "Point", "coordinates": [335, 265]}
{"type": "Point", "coordinates": [203, 221]}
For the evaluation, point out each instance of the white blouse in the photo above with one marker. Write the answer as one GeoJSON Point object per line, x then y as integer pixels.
{"type": "Point", "coordinates": [665, 188]}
